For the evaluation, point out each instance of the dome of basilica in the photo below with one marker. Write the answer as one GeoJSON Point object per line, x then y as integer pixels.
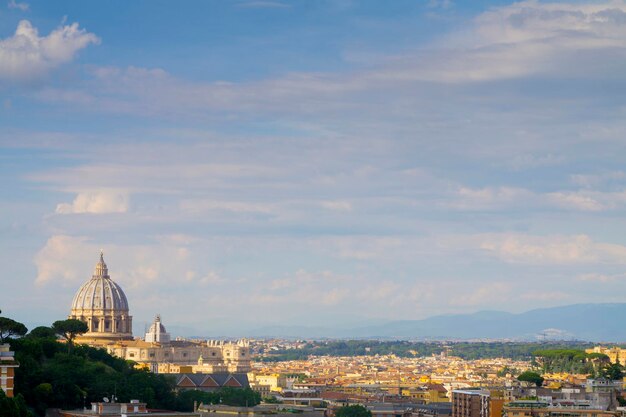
{"type": "Point", "coordinates": [102, 304]}
{"type": "Point", "coordinates": [100, 292]}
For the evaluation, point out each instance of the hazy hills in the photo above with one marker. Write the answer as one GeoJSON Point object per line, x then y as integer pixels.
{"type": "Point", "coordinates": [592, 322]}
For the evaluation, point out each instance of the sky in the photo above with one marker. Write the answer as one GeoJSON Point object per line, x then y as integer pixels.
{"type": "Point", "coordinates": [249, 163]}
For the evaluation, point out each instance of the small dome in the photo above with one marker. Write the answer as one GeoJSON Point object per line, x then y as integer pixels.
{"type": "Point", "coordinates": [157, 326]}
{"type": "Point", "coordinates": [157, 333]}
{"type": "Point", "coordinates": [100, 292]}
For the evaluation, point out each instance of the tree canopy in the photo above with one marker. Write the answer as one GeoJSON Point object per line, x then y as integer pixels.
{"type": "Point", "coordinates": [13, 407]}
{"type": "Point", "coordinates": [532, 377]}
{"type": "Point", "coordinates": [10, 328]}
{"type": "Point", "coordinates": [575, 361]}
{"type": "Point", "coordinates": [43, 332]}
{"type": "Point", "coordinates": [353, 411]}
{"type": "Point", "coordinates": [69, 329]}
{"type": "Point", "coordinates": [613, 371]}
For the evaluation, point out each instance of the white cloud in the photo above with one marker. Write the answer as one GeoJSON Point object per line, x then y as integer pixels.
{"type": "Point", "coordinates": [529, 249]}
{"type": "Point", "coordinates": [575, 201]}
{"type": "Point", "coordinates": [595, 277]}
{"type": "Point", "coordinates": [338, 205]}
{"type": "Point", "coordinates": [60, 259]}
{"type": "Point", "coordinates": [490, 198]}
{"type": "Point", "coordinates": [529, 37]}
{"type": "Point", "coordinates": [588, 200]}
{"type": "Point", "coordinates": [594, 180]}
{"type": "Point", "coordinates": [96, 202]}
{"type": "Point", "coordinates": [26, 55]}
{"type": "Point", "coordinates": [23, 6]}
{"type": "Point", "coordinates": [202, 205]}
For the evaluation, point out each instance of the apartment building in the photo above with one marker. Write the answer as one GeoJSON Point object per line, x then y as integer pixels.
{"type": "Point", "coordinates": [7, 369]}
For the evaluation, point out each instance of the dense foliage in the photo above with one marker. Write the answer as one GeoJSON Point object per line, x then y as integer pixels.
{"type": "Point", "coordinates": [49, 376]}
{"type": "Point", "coordinates": [13, 407]}
{"type": "Point", "coordinates": [571, 360]}
{"type": "Point", "coordinates": [353, 411]}
{"type": "Point", "coordinates": [532, 377]}
{"type": "Point", "coordinates": [465, 350]}
{"type": "Point", "coordinates": [69, 329]}
{"type": "Point", "coordinates": [10, 328]}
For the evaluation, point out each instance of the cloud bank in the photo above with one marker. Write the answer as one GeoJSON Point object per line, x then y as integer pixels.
{"type": "Point", "coordinates": [26, 55]}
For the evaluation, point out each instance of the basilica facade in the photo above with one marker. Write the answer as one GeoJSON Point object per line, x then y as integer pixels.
{"type": "Point", "coordinates": [102, 305]}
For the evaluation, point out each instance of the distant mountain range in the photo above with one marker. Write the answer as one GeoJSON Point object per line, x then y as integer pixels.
{"type": "Point", "coordinates": [590, 322]}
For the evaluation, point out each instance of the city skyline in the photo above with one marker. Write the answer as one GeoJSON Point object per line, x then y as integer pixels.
{"type": "Point", "coordinates": [267, 162]}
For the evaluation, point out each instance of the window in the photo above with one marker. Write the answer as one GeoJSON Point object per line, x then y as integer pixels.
{"type": "Point", "coordinates": [132, 354]}
{"type": "Point", "coordinates": [152, 354]}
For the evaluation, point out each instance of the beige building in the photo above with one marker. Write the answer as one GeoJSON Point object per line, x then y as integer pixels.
{"type": "Point", "coordinates": [102, 304]}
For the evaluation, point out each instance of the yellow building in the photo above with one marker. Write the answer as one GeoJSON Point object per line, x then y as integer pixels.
{"type": "Point", "coordinates": [275, 382]}
{"type": "Point", "coordinates": [615, 354]}
{"type": "Point", "coordinates": [432, 393]}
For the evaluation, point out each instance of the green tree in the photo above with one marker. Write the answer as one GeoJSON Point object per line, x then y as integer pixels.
{"type": "Point", "coordinates": [10, 328]}
{"type": "Point", "coordinates": [69, 329]}
{"type": "Point", "coordinates": [239, 396]}
{"type": "Point", "coordinates": [353, 411]}
{"type": "Point", "coordinates": [42, 332]}
{"type": "Point", "coordinates": [613, 371]}
{"type": "Point", "coordinates": [13, 407]}
{"type": "Point", "coordinates": [532, 377]}
{"type": "Point", "coordinates": [271, 400]}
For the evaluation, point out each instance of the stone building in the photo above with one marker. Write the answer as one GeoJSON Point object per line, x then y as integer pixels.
{"type": "Point", "coordinates": [102, 304]}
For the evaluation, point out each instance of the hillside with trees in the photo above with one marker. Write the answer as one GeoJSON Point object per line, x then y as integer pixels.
{"type": "Point", "coordinates": [53, 374]}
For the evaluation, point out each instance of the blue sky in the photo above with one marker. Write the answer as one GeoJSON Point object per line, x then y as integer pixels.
{"type": "Point", "coordinates": [267, 162]}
